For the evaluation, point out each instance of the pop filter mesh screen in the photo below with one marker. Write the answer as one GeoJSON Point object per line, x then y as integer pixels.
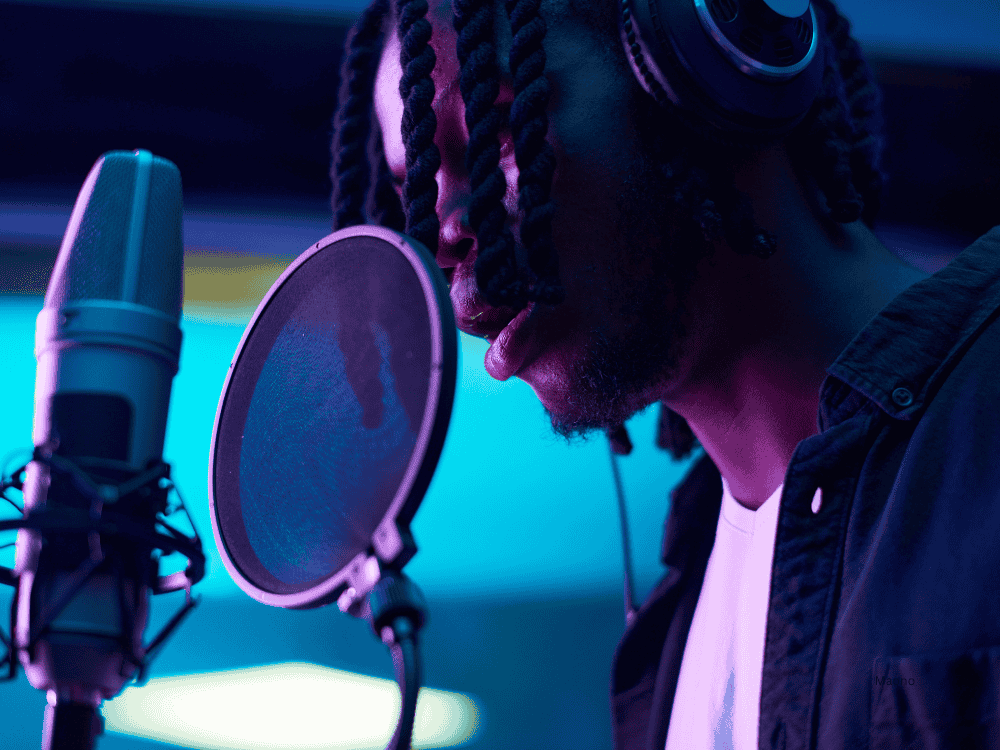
{"type": "Point", "coordinates": [322, 415]}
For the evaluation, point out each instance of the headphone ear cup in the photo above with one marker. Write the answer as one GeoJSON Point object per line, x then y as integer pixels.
{"type": "Point", "coordinates": [735, 71]}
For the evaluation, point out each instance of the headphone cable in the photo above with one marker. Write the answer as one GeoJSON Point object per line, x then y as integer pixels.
{"type": "Point", "coordinates": [630, 609]}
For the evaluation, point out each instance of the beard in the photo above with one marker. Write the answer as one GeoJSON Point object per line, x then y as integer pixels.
{"type": "Point", "coordinates": [615, 379]}
{"type": "Point", "coordinates": [625, 365]}
{"type": "Point", "coordinates": [621, 374]}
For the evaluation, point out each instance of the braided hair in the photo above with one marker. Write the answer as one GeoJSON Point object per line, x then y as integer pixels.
{"type": "Point", "coordinates": [839, 144]}
{"type": "Point", "coordinates": [532, 152]}
{"type": "Point", "coordinates": [361, 195]}
{"type": "Point", "coordinates": [496, 267]}
{"type": "Point", "coordinates": [352, 124]}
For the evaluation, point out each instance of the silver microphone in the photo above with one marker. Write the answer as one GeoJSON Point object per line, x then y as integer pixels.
{"type": "Point", "coordinates": [107, 343]}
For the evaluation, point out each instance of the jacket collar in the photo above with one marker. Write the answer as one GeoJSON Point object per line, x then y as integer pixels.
{"type": "Point", "coordinates": [900, 358]}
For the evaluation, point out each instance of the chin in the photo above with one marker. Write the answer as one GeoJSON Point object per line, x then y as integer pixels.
{"type": "Point", "coordinates": [570, 414]}
{"type": "Point", "coordinates": [550, 386]}
{"type": "Point", "coordinates": [555, 395]}
{"type": "Point", "coordinates": [576, 390]}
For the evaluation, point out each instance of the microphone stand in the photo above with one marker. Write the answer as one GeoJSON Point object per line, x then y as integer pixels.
{"type": "Point", "coordinates": [396, 611]}
{"type": "Point", "coordinates": [72, 717]}
{"type": "Point", "coordinates": [71, 725]}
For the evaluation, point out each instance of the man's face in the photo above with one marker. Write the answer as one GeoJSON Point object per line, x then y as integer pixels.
{"type": "Point", "coordinates": [612, 346]}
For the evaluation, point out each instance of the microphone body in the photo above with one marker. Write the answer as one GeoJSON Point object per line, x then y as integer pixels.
{"type": "Point", "coordinates": [107, 343]}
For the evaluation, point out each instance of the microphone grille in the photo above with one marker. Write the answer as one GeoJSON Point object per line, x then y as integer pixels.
{"type": "Point", "coordinates": [161, 272]}
{"type": "Point", "coordinates": [124, 240]}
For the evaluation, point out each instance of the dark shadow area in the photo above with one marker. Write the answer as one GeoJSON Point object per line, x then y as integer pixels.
{"type": "Point", "coordinates": [243, 105]}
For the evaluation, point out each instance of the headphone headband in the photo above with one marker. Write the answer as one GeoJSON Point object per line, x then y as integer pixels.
{"type": "Point", "coordinates": [747, 71]}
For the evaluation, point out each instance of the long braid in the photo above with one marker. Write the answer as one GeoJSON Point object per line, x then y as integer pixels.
{"type": "Point", "coordinates": [496, 265]}
{"type": "Point", "coordinates": [824, 143]}
{"type": "Point", "coordinates": [864, 99]}
{"type": "Point", "coordinates": [534, 155]}
{"type": "Point", "coordinates": [416, 88]}
{"type": "Point", "coordinates": [352, 121]}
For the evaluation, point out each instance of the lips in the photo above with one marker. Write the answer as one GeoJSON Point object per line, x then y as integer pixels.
{"type": "Point", "coordinates": [473, 314]}
{"type": "Point", "coordinates": [482, 320]}
{"type": "Point", "coordinates": [509, 352]}
{"type": "Point", "coordinates": [509, 332]}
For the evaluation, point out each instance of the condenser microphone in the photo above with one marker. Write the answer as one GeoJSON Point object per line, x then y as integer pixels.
{"type": "Point", "coordinates": [107, 342]}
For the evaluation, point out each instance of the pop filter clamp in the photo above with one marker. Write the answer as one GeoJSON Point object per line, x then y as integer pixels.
{"type": "Point", "coordinates": [328, 431]}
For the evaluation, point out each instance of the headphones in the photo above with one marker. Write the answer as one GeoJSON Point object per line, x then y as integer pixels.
{"type": "Point", "coordinates": [739, 72]}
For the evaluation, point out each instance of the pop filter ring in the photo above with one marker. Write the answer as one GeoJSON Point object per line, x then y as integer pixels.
{"type": "Point", "coordinates": [391, 545]}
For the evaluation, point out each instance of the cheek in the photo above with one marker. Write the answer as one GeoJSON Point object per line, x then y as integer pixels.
{"type": "Point", "coordinates": [390, 117]}
{"type": "Point", "coordinates": [388, 106]}
{"type": "Point", "coordinates": [511, 173]}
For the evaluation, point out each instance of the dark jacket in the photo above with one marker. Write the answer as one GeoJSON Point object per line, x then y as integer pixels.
{"type": "Point", "coordinates": [883, 624]}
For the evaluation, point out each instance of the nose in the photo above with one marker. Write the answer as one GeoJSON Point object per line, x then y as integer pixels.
{"type": "Point", "coordinates": [455, 240]}
{"type": "Point", "coordinates": [455, 236]}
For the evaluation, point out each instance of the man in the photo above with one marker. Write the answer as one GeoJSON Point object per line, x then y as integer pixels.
{"type": "Point", "coordinates": [828, 556]}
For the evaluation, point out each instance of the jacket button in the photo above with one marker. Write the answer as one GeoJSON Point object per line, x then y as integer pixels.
{"type": "Point", "coordinates": [902, 397]}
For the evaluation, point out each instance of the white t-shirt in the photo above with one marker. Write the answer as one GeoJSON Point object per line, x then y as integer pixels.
{"type": "Point", "coordinates": [717, 702]}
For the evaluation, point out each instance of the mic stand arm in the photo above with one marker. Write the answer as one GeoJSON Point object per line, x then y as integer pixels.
{"type": "Point", "coordinates": [71, 725]}
{"type": "Point", "coordinates": [396, 611]}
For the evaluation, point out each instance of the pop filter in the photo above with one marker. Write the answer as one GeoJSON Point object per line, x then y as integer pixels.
{"type": "Point", "coordinates": [332, 419]}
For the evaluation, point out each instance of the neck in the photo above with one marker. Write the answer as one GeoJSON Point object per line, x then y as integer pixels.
{"type": "Point", "coordinates": [764, 333]}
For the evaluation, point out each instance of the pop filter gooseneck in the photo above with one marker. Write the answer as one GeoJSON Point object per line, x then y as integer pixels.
{"type": "Point", "coordinates": [328, 431]}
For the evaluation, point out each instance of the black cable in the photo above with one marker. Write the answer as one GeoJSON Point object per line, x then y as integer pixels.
{"type": "Point", "coordinates": [406, 660]}
{"type": "Point", "coordinates": [630, 609]}
{"type": "Point", "coordinates": [396, 611]}
{"type": "Point", "coordinates": [71, 726]}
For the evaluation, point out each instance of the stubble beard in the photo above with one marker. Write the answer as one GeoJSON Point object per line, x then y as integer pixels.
{"type": "Point", "coordinates": [636, 355]}
{"type": "Point", "coordinates": [620, 375]}
{"type": "Point", "coordinates": [627, 364]}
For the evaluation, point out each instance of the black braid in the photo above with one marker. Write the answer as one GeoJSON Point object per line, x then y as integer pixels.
{"type": "Point", "coordinates": [834, 154]}
{"type": "Point", "coordinates": [416, 88]}
{"type": "Point", "coordinates": [673, 434]}
{"type": "Point", "coordinates": [841, 143]}
{"type": "Point", "coordinates": [496, 266]}
{"type": "Point", "coordinates": [864, 99]}
{"type": "Point", "coordinates": [534, 155]}
{"type": "Point", "coordinates": [352, 121]}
